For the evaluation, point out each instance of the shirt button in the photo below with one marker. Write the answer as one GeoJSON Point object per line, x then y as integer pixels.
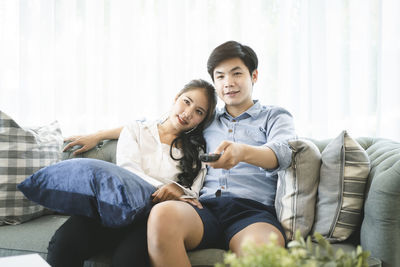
{"type": "Point", "coordinates": [230, 130]}
{"type": "Point", "coordinates": [234, 120]}
{"type": "Point", "coordinates": [218, 193]}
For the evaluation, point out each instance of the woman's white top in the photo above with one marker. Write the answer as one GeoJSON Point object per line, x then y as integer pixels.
{"type": "Point", "coordinates": [140, 151]}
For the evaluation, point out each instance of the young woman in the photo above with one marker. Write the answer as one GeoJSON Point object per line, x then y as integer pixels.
{"type": "Point", "coordinates": [164, 153]}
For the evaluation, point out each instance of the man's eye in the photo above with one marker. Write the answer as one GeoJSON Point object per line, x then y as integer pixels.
{"type": "Point", "coordinates": [237, 73]}
{"type": "Point", "coordinates": [220, 77]}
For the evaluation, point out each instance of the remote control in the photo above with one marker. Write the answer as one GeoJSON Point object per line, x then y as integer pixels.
{"type": "Point", "coordinates": [209, 157]}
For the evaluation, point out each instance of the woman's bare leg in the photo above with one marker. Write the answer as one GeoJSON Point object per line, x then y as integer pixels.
{"type": "Point", "coordinates": [173, 227]}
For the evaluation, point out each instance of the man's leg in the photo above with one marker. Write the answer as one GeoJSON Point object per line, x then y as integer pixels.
{"type": "Point", "coordinates": [258, 233]}
{"type": "Point", "coordinates": [173, 227]}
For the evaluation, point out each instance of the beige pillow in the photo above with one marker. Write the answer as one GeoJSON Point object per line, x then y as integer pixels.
{"type": "Point", "coordinates": [344, 172]}
{"type": "Point", "coordinates": [297, 189]}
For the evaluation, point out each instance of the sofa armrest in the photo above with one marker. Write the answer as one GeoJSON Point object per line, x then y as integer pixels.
{"type": "Point", "coordinates": [105, 150]}
{"type": "Point", "coordinates": [380, 230]}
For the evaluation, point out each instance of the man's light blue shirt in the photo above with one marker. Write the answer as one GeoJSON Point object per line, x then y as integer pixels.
{"type": "Point", "coordinates": [258, 126]}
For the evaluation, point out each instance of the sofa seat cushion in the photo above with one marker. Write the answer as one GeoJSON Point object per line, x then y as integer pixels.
{"type": "Point", "coordinates": [32, 236]}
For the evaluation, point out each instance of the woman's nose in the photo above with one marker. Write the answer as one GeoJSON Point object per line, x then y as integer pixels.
{"type": "Point", "coordinates": [188, 113]}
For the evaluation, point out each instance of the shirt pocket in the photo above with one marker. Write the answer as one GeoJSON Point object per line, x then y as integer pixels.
{"type": "Point", "coordinates": [256, 135]}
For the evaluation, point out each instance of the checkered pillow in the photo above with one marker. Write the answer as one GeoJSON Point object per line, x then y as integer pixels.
{"type": "Point", "coordinates": [23, 151]}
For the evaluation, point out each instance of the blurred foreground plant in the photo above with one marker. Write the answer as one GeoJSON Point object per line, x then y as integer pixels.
{"type": "Point", "coordinates": [300, 253]}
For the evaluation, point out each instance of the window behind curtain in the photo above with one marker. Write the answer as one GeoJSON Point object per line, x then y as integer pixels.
{"type": "Point", "coordinates": [98, 64]}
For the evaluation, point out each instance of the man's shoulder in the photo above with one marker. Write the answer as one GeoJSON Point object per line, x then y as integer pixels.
{"type": "Point", "coordinates": [274, 110]}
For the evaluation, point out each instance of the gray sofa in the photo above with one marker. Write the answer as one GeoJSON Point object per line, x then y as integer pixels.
{"type": "Point", "coordinates": [379, 231]}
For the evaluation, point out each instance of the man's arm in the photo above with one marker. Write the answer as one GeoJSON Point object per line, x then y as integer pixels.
{"type": "Point", "coordinates": [233, 153]}
{"type": "Point", "coordinates": [273, 155]}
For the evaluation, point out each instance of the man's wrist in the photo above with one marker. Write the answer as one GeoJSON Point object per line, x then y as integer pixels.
{"type": "Point", "coordinates": [245, 153]}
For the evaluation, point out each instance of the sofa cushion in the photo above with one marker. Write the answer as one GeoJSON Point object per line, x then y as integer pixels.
{"type": "Point", "coordinates": [92, 188]}
{"type": "Point", "coordinates": [22, 152]}
{"type": "Point", "coordinates": [343, 176]}
{"type": "Point", "coordinates": [297, 189]}
{"type": "Point", "coordinates": [32, 236]}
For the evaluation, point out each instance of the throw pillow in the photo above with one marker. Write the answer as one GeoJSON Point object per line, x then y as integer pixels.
{"type": "Point", "coordinates": [92, 188]}
{"type": "Point", "coordinates": [344, 172]}
{"type": "Point", "coordinates": [22, 152]}
{"type": "Point", "coordinates": [297, 189]}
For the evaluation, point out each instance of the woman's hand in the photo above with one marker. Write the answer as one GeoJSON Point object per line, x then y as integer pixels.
{"type": "Point", "coordinates": [86, 141]}
{"type": "Point", "coordinates": [91, 140]}
{"type": "Point", "coordinates": [167, 192]}
{"type": "Point", "coordinates": [192, 201]}
{"type": "Point", "coordinates": [173, 192]}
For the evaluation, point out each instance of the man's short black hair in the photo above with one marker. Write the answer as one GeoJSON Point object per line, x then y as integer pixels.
{"type": "Point", "coordinates": [232, 49]}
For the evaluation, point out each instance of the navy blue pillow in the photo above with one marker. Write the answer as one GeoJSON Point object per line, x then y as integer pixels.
{"type": "Point", "coordinates": [92, 188]}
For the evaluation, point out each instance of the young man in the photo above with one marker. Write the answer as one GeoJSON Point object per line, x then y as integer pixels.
{"type": "Point", "coordinates": [239, 189]}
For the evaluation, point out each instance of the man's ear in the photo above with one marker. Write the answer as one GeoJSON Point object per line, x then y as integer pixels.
{"type": "Point", "coordinates": [254, 76]}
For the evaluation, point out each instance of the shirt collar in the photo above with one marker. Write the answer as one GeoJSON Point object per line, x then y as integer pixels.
{"type": "Point", "coordinates": [253, 111]}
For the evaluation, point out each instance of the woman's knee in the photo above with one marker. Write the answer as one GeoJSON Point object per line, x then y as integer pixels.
{"type": "Point", "coordinates": [164, 218]}
{"type": "Point", "coordinates": [174, 221]}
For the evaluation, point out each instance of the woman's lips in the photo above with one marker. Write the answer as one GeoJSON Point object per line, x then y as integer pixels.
{"type": "Point", "coordinates": [181, 121]}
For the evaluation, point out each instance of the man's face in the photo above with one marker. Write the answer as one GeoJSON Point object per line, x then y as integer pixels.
{"type": "Point", "coordinates": [234, 85]}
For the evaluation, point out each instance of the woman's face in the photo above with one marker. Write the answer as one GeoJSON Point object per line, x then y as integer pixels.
{"type": "Point", "coordinates": [189, 110]}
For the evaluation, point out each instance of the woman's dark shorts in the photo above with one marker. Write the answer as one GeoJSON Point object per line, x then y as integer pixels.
{"type": "Point", "coordinates": [223, 217]}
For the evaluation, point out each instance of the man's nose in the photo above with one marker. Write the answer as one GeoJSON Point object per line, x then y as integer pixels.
{"type": "Point", "coordinates": [228, 81]}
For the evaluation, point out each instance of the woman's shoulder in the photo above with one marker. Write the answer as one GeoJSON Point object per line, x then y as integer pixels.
{"type": "Point", "coordinates": [141, 123]}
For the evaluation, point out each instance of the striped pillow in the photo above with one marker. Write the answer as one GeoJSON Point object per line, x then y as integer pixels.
{"type": "Point", "coordinates": [297, 189]}
{"type": "Point", "coordinates": [22, 152]}
{"type": "Point", "coordinates": [344, 173]}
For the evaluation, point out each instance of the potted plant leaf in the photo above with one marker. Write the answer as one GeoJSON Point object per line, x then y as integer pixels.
{"type": "Point", "coordinates": [299, 253]}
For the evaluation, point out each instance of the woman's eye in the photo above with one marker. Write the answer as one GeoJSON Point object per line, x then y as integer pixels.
{"type": "Point", "coordinates": [186, 101]}
{"type": "Point", "coordinates": [200, 112]}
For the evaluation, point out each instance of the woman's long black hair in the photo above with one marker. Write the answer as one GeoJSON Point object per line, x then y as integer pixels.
{"type": "Point", "coordinates": [192, 142]}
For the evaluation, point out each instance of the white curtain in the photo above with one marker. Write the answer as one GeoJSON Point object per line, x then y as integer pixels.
{"type": "Point", "coordinates": [94, 64]}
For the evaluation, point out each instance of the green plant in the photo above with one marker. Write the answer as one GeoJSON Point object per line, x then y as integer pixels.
{"type": "Point", "coordinates": [300, 253]}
